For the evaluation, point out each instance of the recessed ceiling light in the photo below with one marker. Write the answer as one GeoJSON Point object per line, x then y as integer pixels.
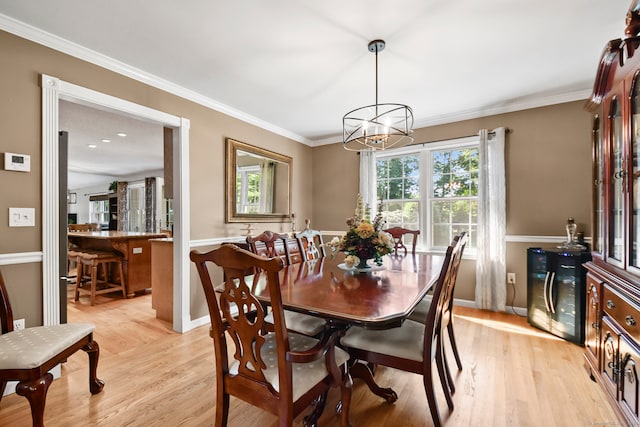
{"type": "Point", "coordinates": [92, 145]}
{"type": "Point", "coordinates": [121, 134]}
{"type": "Point", "coordinates": [105, 140]}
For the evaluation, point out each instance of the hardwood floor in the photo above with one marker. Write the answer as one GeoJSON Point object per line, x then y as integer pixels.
{"type": "Point", "coordinates": [514, 375]}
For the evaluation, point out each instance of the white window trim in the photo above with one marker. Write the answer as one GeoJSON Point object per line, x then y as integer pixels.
{"type": "Point", "coordinates": [426, 182]}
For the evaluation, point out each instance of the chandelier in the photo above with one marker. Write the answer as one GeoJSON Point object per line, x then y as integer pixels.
{"type": "Point", "coordinates": [378, 126]}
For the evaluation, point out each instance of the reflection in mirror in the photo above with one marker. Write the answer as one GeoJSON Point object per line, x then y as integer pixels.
{"type": "Point", "coordinates": [258, 184]}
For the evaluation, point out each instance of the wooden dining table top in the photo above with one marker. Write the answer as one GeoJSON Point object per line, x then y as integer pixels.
{"type": "Point", "coordinates": [379, 299]}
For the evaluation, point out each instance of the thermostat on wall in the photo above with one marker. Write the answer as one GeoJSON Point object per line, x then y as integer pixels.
{"type": "Point", "coordinates": [17, 162]}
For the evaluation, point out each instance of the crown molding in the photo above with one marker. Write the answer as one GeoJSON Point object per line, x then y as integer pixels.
{"type": "Point", "coordinates": [520, 105]}
{"type": "Point", "coordinates": [52, 41]}
{"type": "Point", "coordinates": [44, 38]}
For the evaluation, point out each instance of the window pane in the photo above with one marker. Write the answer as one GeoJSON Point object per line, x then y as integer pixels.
{"type": "Point", "coordinates": [440, 211]}
{"type": "Point", "coordinates": [383, 190]}
{"type": "Point", "coordinates": [441, 236]}
{"type": "Point", "coordinates": [395, 167]}
{"type": "Point", "coordinates": [411, 215]}
{"type": "Point", "coordinates": [395, 189]}
{"type": "Point", "coordinates": [381, 169]}
{"type": "Point", "coordinates": [411, 188]}
{"type": "Point", "coordinates": [460, 212]}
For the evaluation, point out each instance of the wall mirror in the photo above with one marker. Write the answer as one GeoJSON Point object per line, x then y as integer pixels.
{"type": "Point", "coordinates": [258, 184]}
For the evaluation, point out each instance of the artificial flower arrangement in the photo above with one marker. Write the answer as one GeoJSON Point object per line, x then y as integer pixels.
{"type": "Point", "coordinates": [364, 239]}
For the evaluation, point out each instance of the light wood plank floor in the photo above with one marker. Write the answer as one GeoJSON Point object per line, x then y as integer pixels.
{"type": "Point", "coordinates": [514, 375]}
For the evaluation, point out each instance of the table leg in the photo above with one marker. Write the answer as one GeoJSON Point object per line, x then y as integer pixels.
{"type": "Point", "coordinates": [362, 371]}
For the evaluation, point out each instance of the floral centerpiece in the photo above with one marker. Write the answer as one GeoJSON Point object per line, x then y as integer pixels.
{"type": "Point", "coordinates": [364, 239]}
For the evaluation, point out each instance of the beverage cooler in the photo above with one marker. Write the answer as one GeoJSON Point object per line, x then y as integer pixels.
{"type": "Point", "coordinates": [556, 292]}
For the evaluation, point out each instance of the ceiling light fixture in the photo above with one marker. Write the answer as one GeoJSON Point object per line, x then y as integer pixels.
{"type": "Point", "coordinates": [105, 140]}
{"type": "Point", "coordinates": [378, 126]}
{"type": "Point", "coordinates": [91, 145]}
{"type": "Point", "coordinates": [121, 134]}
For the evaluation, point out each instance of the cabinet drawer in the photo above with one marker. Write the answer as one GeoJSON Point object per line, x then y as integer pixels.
{"type": "Point", "coordinates": [626, 314]}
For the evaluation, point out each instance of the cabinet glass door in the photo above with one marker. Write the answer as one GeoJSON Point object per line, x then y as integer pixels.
{"type": "Point", "coordinates": [634, 239]}
{"type": "Point", "coordinates": [598, 190]}
{"type": "Point", "coordinates": [539, 274]}
{"type": "Point", "coordinates": [616, 204]}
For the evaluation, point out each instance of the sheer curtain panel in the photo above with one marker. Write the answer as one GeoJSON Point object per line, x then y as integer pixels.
{"type": "Point", "coordinates": [491, 291]}
{"type": "Point", "coordinates": [368, 180]}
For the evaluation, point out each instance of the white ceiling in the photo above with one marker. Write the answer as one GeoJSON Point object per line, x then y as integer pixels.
{"type": "Point", "coordinates": [94, 161]}
{"type": "Point", "coordinates": [296, 67]}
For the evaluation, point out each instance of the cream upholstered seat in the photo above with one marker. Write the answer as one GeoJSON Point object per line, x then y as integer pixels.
{"type": "Point", "coordinates": [304, 375]}
{"type": "Point", "coordinates": [301, 323]}
{"type": "Point", "coordinates": [30, 348]}
{"type": "Point", "coordinates": [27, 355]}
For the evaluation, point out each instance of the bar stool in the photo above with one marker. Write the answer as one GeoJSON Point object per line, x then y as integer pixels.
{"type": "Point", "coordinates": [94, 260]}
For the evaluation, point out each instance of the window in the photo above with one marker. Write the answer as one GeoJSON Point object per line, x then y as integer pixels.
{"type": "Point", "coordinates": [248, 189]}
{"type": "Point", "coordinates": [433, 188]}
{"type": "Point", "coordinates": [99, 211]}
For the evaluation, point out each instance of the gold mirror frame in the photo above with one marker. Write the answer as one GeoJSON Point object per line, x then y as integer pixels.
{"type": "Point", "coordinates": [231, 163]}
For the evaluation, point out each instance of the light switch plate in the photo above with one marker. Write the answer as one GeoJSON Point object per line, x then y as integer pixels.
{"type": "Point", "coordinates": [22, 217]}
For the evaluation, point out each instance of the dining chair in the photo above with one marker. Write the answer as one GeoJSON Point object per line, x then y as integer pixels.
{"type": "Point", "coordinates": [412, 347]}
{"type": "Point", "coordinates": [276, 370]}
{"type": "Point", "coordinates": [398, 234]}
{"type": "Point", "coordinates": [310, 244]}
{"type": "Point", "coordinates": [27, 356]}
{"type": "Point", "coordinates": [270, 244]}
{"type": "Point", "coordinates": [419, 314]}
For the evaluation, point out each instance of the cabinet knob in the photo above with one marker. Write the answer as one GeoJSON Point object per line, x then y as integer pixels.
{"type": "Point", "coordinates": [630, 321]}
{"type": "Point", "coordinates": [594, 325]}
{"type": "Point", "coordinates": [611, 304]}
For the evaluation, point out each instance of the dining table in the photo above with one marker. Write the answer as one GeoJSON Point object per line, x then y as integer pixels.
{"type": "Point", "coordinates": [380, 297]}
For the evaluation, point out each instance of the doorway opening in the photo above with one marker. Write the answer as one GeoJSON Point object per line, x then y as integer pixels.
{"type": "Point", "coordinates": [54, 90]}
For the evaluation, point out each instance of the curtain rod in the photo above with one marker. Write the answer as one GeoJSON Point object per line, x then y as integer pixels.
{"type": "Point", "coordinates": [506, 131]}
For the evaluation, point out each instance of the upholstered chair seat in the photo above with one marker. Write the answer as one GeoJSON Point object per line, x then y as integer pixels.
{"type": "Point", "coordinates": [405, 342]}
{"type": "Point", "coordinates": [301, 323]}
{"type": "Point", "coordinates": [304, 375]}
{"type": "Point", "coordinates": [32, 347]}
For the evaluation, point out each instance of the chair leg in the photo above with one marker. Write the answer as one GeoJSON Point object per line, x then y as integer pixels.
{"type": "Point", "coordinates": [319, 404]}
{"type": "Point", "coordinates": [346, 388]}
{"type": "Point", "coordinates": [452, 339]}
{"type": "Point", "coordinates": [94, 280]}
{"type": "Point", "coordinates": [93, 351]}
{"type": "Point", "coordinates": [222, 408]}
{"type": "Point", "coordinates": [3, 385]}
{"type": "Point", "coordinates": [36, 393]}
{"type": "Point", "coordinates": [452, 386]}
{"type": "Point", "coordinates": [121, 273]}
{"type": "Point", "coordinates": [427, 379]}
{"type": "Point", "coordinates": [440, 363]}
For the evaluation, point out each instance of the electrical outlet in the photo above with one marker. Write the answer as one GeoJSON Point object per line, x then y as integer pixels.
{"type": "Point", "coordinates": [18, 324]}
{"type": "Point", "coordinates": [511, 278]}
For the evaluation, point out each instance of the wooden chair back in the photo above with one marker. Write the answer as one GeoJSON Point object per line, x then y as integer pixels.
{"type": "Point", "coordinates": [398, 234]}
{"type": "Point", "coordinates": [310, 244]}
{"type": "Point", "coordinates": [269, 244]}
{"type": "Point", "coordinates": [238, 313]}
{"type": "Point", "coordinates": [6, 314]}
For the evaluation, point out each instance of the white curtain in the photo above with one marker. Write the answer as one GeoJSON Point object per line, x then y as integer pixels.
{"type": "Point", "coordinates": [266, 186]}
{"type": "Point", "coordinates": [368, 180]}
{"type": "Point", "coordinates": [491, 287]}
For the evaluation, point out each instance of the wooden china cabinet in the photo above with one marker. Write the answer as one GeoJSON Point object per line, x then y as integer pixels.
{"type": "Point", "coordinates": [612, 329]}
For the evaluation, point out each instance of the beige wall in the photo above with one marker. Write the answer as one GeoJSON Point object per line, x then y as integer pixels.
{"type": "Point", "coordinates": [547, 159]}
{"type": "Point", "coordinates": [20, 107]}
{"type": "Point", "coordinates": [548, 173]}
